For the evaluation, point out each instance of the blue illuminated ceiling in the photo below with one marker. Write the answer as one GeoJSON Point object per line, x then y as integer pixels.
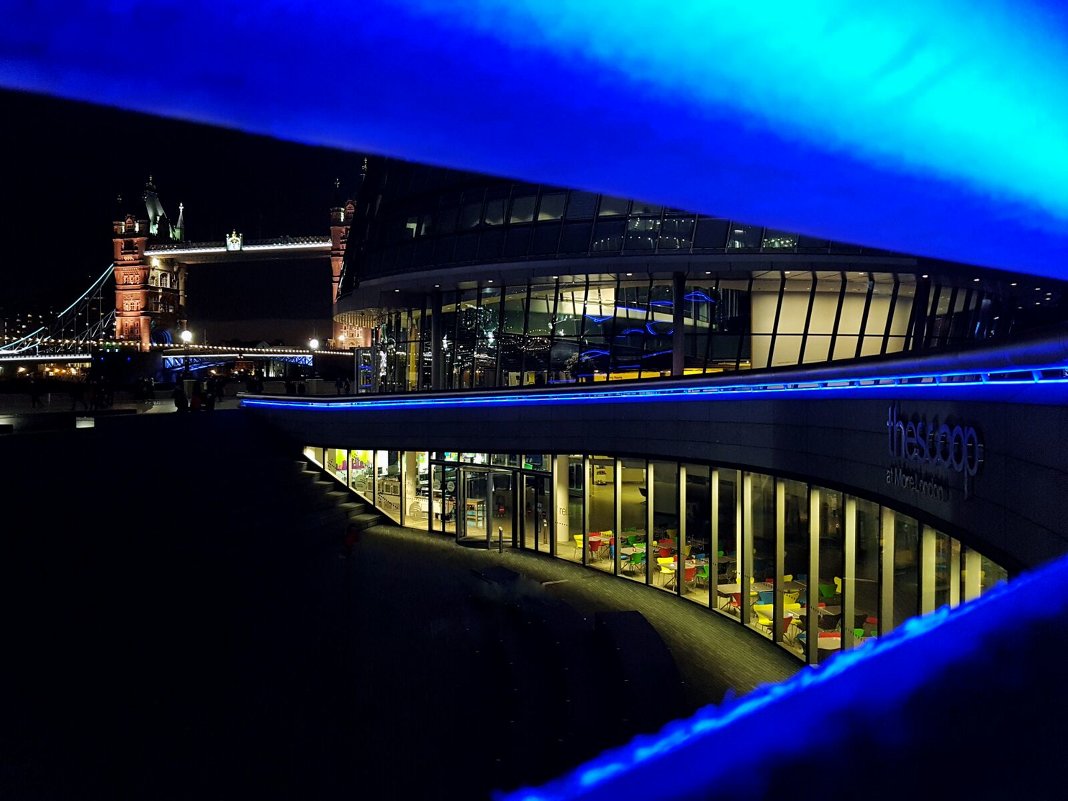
{"type": "Point", "coordinates": [923, 127]}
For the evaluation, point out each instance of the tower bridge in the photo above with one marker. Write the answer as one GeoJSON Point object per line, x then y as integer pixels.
{"type": "Point", "coordinates": [149, 275]}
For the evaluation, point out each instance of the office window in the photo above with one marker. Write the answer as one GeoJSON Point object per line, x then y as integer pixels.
{"type": "Point", "coordinates": [552, 206]}
{"type": "Point", "coordinates": [522, 209]}
{"type": "Point", "coordinates": [581, 205]}
{"type": "Point", "coordinates": [611, 206]}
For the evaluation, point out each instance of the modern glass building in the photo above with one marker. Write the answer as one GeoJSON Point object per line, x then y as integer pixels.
{"type": "Point", "coordinates": [474, 282]}
{"type": "Point", "coordinates": [484, 293]}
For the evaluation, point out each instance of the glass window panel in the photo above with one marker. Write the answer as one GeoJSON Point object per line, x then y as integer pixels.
{"type": "Point", "coordinates": [829, 583]}
{"type": "Point", "coordinates": [794, 589]}
{"type": "Point", "coordinates": [416, 489]}
{"type": "Point", "coordinates": [611, 206]}
{"type": "Point", "coordinates": [581, 205]}
{"type": "Point", "coordinates": [711, 232]}
{"type": "Point", "coordinates": [761, 561]}
{"type": "Point", "coordinates": [906, 570]}
{"type": "Point", "coordinates": [778, 240]}
{"type": "Point", "coordinates": [517, 241]}
{"type": "Point", "coordinates": [387, 484]}
{"type": "Point", "coordinates": [337, 464]}
{"type": "Point", "coordinates": [608, 236]}
{"type": "Point", "coordinates": [992, 574]}
{"type": "Point", "coordinates": [575, 238]}
{"type": "Point", "coordinates": [522, 209]}
{"type": "Point", "coordinates": [866, 572]}
{"type": "Point", "coordinates": [476, 501]}
{"type": "Point", "coordinates": [470, 214]}
{"type": "Point", "coordinates": [729, 543]}
{"type": "Point", "coordinates": [552, 206]}
{"type": "Point", "coordinates": [444, 249]}
{"type": "Point", "coordinates": [666, 547]}
{"type": "Point", "coordinates": [536, 523]}
{"type": "Point", "coordinates": [697, 576]}
{"type": "Point", "coordinates": [570, 484]}
{"type": "Point", "coordinates": [744, 236]}
{"type": "Point", "coordinates": [491, 244]}
{"type": "Point", "coordinates": [642, 233]}
{"type": "Point", "coordinates": [676, 233]}
{"type": "Point", "coordinates": [632, 507]}
{"type": "Point", "coordinates": [466, 247]}
{"type": "Point", "coordinates": [495, 212]}
{"type": "Point", "coordinates": [602, 501]}
{"type": "Point", "coordinates": [546, 238]}
{"type": "Point", "coordinates": [361, 477]}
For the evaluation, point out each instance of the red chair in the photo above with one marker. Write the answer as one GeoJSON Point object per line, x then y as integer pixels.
{"type": "Point", "coordinates": [689, 576]}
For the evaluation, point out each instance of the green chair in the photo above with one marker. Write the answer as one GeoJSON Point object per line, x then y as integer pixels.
{"type": "Point", "coordinates": [702, 575]}
{"type": "Point", "coordinates": [636, 562]}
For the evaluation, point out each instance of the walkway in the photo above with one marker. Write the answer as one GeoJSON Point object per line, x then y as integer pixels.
{"type": "Point", "coordinates": [180, 626]}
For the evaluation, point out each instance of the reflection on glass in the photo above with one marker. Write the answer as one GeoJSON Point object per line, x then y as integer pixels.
{"type": "Point", "coordinates": [361, 478]}
{"type": "Point", "coordinates": [665, 545]}
{"type": "Point", "coordinates": [569, 539]}
{"type": "Point", "coordinates": [552, 206]}
{"type": "Point", "coordinates": [387, 486]}
{"type": "Point", "coordinates": [866, 573]}
{"type": "Point", "coordinates": [697, 577]}
{"type": "Point", "coordinates": [602, 500]}
{"type": "Point", "coordinates": [632, 508]}
{"type": "Point", "coordinates": [906, 569]}
{"type": "Point", "coordinates": [832, 571]}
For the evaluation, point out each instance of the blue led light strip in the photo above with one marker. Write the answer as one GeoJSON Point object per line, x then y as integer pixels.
{"type": "Point", "coordinates": [965, 381]}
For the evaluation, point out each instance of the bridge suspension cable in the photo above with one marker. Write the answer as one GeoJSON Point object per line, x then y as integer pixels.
{"type": "Point", "coordinates": [74, 328]}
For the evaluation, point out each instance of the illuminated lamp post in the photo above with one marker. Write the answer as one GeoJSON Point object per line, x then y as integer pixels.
{"type": "Point", "coordinates": [187, 337]}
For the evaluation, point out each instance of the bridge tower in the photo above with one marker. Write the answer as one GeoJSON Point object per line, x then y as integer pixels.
{"type": "Point", "coordinates": [350, 329]}
{"type": "Point", "coordinates": [346, 333]}
{"type": "Point", "coordinates": [149, 295]}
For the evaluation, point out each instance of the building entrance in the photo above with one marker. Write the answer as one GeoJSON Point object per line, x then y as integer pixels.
{"type": "Point", "coordinates": [488, 503]}
{"type": "Point", "coordinates": [536, 506]}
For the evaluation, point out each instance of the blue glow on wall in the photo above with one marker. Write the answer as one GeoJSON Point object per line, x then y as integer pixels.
{"type": "Point", "coordinates": [919, 127]}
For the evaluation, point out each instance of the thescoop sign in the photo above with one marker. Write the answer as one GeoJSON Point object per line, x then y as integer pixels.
{"type": "Point", "coordinates": [937, 444]}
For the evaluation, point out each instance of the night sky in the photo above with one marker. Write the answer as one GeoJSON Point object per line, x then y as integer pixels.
{"type": "Point", "coordinates": [64, 164]}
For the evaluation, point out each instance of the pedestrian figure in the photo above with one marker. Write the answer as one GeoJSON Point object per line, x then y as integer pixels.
{"type": "Point", "coordinates": [339, 384]}
{"type": "Point", "coordinates": [181, 402]}
{"type": "Point", "coordinates": [348, 542]}
{"type": "Point", "coordinates": [35, 392]}
{"type": "Point", "coordinates": [347, 387]}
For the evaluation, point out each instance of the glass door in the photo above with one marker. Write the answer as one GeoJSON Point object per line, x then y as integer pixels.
{"type": "Point", "coordinates": [476, 502]}
{"type": "Point", "coordinates": [502, 505]}
{"type": "Point", "coordinates": [537, 535]}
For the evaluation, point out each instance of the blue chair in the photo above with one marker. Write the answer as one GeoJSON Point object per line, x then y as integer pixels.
{"type": "Point", "coordinates": [766, 597]}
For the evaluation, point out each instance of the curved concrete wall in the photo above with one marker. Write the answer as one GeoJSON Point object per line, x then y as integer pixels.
{"type": "Point", "coordinates": [1011, 509]}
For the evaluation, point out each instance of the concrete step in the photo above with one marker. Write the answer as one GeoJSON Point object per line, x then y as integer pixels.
{"type": "Point", "coordinates": [364, 520]}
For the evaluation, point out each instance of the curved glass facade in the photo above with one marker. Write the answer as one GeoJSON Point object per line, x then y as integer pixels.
{"type": "Point", "coordinates": [468, 282]}
{"type": "Point", "coordinates": [813, 569]}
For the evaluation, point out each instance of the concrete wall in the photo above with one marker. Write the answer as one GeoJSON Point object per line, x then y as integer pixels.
{"type": "Point", "coordinates": [1013, 510]}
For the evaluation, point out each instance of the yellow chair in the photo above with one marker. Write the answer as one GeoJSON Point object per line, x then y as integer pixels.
{"type": "Point", "coordinates": [578, 545]}
{"type": "Point", "coordinates": [667, 568]}
{"type": "Point", "coordinates": [764, 615]}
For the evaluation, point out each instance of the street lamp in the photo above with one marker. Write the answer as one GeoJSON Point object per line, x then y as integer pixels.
{"type": "Point", "coordinates": [187, 337]}
{"type": "Point", "coordinates": [314, 345]}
